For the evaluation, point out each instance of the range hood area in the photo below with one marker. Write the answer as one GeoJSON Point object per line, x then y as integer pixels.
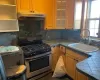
{"type": "Point", "coordinates": [31, 14]}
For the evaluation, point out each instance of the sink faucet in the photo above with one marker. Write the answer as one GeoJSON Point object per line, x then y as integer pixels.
{"type": "Point", "coordinates": [85, 35]}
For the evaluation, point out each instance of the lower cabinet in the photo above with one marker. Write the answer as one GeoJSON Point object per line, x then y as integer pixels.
{"type": "Point", "coordinates": [70, 59]}
{"type": "Point", "coordinates": [80, 76]}
{"type": "Point", "coordinates": [55, 56]}
{"type": "Point", "coordinates": [71, 66]}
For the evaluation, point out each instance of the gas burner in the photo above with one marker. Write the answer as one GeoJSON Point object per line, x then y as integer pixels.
{"type": "Point", "coordinates": [35, 49]}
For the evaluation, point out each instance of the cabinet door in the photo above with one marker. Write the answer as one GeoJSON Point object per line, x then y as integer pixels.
{"type": "Point", "coordinates": [80, 76]}
{"type": "Point", "coordinates": [45, 7]}
{"type": "Point", "coordinates": [70, 13]}
{"type": "Point", "coordinates": [65, 14]}
{"type": "Point", "coordinates": [18, 5]}
{"type": "Point", "coordinates": [38, 6]}
{"type": "Point", "coordinates": [64, 60]}
{"type": "Point", "coordinates": [55, 56]}
{"type": "Point", "coordinates": [24, 5]}
{"type": "Point", "coordinates": [63, 54]}
{"type": "Point", "coordinates": [49, 12]}
{"type": "Point", "coordinates": [70, 66]}
{"type": "Point", "coordinates": [61, 14]}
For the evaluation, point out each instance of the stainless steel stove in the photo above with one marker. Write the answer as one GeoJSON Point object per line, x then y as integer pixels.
{"type": "Point", "coordinates": [37, 57]}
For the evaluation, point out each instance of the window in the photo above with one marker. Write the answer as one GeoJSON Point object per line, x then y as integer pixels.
{"type": "Point", "coordinates": [94, 18]}
{"type": "Point", "coordinates": [78, 14]}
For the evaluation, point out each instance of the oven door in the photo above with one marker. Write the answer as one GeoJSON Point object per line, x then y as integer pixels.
{"type": "Point", "coordinates": [37, 65]}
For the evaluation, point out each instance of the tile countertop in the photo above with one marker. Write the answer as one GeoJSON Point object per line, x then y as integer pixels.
{"type": "Point", "coordinates": [58, 42]}
{"type": "Point", "coordinates": [89, 66]}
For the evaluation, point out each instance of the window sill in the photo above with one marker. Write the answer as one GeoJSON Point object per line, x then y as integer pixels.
{"type": "Point", "coordinates": [95, 39]}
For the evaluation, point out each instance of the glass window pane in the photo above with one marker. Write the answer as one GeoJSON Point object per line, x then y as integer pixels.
{"type": "Point", "coordinates": [94, 18]}
{"type": "Point", "coordinates": [96, 31]}
{"type": "Point", "coordinates": [91, 24]}
{"type": "Point", "coordinates": [96, 24]}
{"type": "Point", "coordinates": [78, 10]}
{"type": "Point", "coordinates": [92, 32]}
{"type": "Point", "coordinates": [95, 9]}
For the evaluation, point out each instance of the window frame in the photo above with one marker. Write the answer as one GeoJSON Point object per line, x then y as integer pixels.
{"type": "Point", "coordinates": [89, 19]}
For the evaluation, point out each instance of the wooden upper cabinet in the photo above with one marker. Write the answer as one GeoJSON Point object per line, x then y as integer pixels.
{"type": "Point", "coordinates": [64, 14]}
{"type": "Point", "coordinates": [45, 7]}
{"type": "Point", "coordinates": [49, 10]}
{"type": "Point", "coordinates": [60, 13]}
{"type": "Point", "coordinates": [24, 6]}
{"type": "Point", "coordinates": [70, 6]}
{"type": "Point", "coordinates": [30, 5]}
{"type": "Point", "coordinates": [38, 5]}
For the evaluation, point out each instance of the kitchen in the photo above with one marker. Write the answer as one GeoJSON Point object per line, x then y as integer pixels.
{"type": "Point", "coordinates": [37, 34]}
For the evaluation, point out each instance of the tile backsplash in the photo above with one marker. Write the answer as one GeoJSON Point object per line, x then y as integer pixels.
{"type": "Point", "coordinates": [6, 38]}
{"type": "Point", "coordinates": [71, 34]}
{"type": "Point", "coordinates": [52, 34]}
{"type": "Point", "coordinates": [61, 34]}
{"type": "Point", "coordinates": [30, 27]}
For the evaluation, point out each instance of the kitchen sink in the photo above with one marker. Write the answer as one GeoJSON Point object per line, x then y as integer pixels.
{"type": "Point", "coordinates": [83, 47]}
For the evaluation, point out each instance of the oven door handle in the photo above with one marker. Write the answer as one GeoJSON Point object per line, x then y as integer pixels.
{"type": "Point", "coordinates": [38, 57]}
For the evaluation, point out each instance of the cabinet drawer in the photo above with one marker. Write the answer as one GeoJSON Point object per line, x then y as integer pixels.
{"type": "Point", "coordinates": [63, 49]}
{"type": "Point", "coordinates": [76, 55]}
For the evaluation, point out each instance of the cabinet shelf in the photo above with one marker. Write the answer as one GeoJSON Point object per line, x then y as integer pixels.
{"type": "Point", "coordinates": [9, 30]}
{"type": "Point", "coordinates": [9, 13]}
{"type": "Point", "coordinates": [61, 1]}
{"type": "Point", "coordinates": [61, 9]}
{"type": "Point", "coordinates": [8, 19]}
{"type": "Point", "coordinates": [9, 25]}
{"type": "Point", "coordinates": [8, 16]}
{"type": "Point", "coordinates": [7, 5]}
{"type": "Point", "coordinates": [10, 2]}
{"type": "Point", "coordinates": [60, 19]}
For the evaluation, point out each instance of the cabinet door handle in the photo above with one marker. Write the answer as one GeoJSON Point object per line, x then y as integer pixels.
{"type": "Point", "coordinates": [77, 60]}
{"type": "Point", "coordinates": [61, 47]}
